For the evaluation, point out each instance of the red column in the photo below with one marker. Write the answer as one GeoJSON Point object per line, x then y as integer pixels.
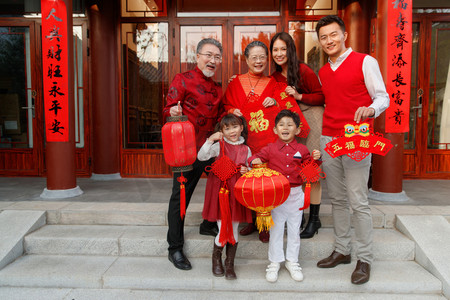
{"type": "Point", "coordinates": [387, 171]}
{"type": "Point", "coordinates": [105, 86]}
{"type": "Point", "coordinates": [60, 156]}
{"type": "Point", "coordinates": [356, 16]}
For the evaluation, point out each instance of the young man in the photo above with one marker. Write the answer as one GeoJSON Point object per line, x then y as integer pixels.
{"type": "Point", "coordinates": [285, 156]}
{"type": "Point", "coordinates": [196, 95]}
{"type": "Point", "coordinates": [354, 92]}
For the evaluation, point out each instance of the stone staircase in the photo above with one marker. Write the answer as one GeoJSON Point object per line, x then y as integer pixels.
{"type": "Point", "coordinates": [122, 254]}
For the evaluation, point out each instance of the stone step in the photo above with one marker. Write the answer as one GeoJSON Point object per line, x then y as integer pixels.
{"type": "Point", "coordinates": [157, 273]}
{"type": "Point", "coordinates": [91, 213]}
{"type": "Point", "coordinates": [13, 293]}
{"type": "Point", "coordinates": [104, 240]}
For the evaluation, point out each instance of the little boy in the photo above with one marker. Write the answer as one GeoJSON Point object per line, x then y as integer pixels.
{"type": "Point", "coordinates": [285, 156]}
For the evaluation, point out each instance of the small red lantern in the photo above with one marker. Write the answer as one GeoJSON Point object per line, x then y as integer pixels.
{"type": "Point", "coordinates": [180, 151]}
{"type": "Point", "coordinates": [262, 189]}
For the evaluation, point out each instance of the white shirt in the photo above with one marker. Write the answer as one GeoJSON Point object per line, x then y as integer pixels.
{"type": "Point", "coordinates": [372, 78]}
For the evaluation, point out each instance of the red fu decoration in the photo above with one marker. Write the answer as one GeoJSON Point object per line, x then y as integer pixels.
{"type": "Point", "coordinates": [310, 172]}
{"type": "Point", "coordinates": [180, 151]}
{"type": "Point", "coordinates": [358, 142]}
{"type": "Point", "coordinates": [224, 168]}
{"type": "Point", "coordinates": [262, 189]}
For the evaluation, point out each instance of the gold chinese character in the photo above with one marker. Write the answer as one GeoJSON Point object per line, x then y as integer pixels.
{"type": "Point", "coordinates": [289, 105]}
{"type": "Point", "coordinates": [257, 122]}
{"type": "Point", "coordinates": [283, 95]}
{"type": "Point", "coordinates": [350, 145]}
{"type": "Point", "coordinates": [378, 143]}
{"type": "Point", "coordinates": [364, 144]}
{"type": "Point", "coordinates": [336, 147]}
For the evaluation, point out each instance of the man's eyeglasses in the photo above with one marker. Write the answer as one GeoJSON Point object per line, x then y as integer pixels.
{"type": "Point", "coordinates": [256, 58]}
{"type": "Point", "coordinates": [217, 58]}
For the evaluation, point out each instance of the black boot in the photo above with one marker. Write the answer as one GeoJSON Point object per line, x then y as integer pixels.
{"type": "Point", "coordinates": [313, 223]}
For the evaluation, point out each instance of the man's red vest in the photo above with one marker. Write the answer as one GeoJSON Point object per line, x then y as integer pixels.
{"type": "Point", "coordinates": [344, 91]}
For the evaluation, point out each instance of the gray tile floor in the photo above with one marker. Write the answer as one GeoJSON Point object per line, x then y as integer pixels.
{"type": "Point", "coordinates": [158, 190]}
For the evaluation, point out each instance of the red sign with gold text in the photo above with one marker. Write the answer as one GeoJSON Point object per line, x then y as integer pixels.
{"type": "Point", "coordinates": [55, 64]}
{"type": "Point", "coordinates": [398, 82]}
{"type": "Point", "coordinates": [358, 142]}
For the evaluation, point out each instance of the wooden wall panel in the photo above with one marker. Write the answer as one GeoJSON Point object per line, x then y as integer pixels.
{"type": "Point", "coordinates": [438, 163]}
{"type": "Point", "coordinates": [409, 163]}
{"type": "Point", "coordinates": [19, 162]}
{"type": "Point", "coordinates": [147, 163]}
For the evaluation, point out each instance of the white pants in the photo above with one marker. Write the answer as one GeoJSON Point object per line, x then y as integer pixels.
{"type": "Point", "coordinates": [235, 232]}
{"type": "Point", "coordinates": [287, 213]}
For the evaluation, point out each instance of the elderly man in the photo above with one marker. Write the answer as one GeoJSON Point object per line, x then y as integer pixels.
{"type": "Point", "coordinates": [196, 95]}
{"type": "Point", "coordinates": [354, 92]}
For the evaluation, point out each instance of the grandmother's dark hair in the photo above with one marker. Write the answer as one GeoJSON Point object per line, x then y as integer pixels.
{"type": "Point", "coordinates": [255, 44]}
{"type": "Point", "coordinates": [327, 20]}
{"type": "Point", "coordinates": [288, 113]}
{"type": "Point", "coordinates": [293, 74]}
{"type": "Point", "coordinates": [211, 42]}
{"type": "Point", "coordinates": [232, 119]}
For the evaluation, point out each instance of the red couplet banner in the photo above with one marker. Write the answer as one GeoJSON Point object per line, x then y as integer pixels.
{"type": "Point", "coordinates": [55, 64]}
{"type": "Point", "coordinates": [398, 81]}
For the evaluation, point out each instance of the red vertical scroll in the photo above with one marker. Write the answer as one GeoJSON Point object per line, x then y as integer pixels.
{"type": "Point", "coordinates": [55, 64]}
{"type": "Point", "coordinates": [399, 53]}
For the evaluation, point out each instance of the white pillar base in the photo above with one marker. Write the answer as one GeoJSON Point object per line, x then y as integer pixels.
{"type": "Point", "coordinates": [388, 197]}
{"type": "Point", "coordinates": [106, 177]}
{"type": "Point", "coordinates": [55, 194]}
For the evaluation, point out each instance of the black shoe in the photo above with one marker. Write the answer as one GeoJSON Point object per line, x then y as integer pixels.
{"type": "Point", "coordinates": [179, 260]}
{"type": "Point", "coordinates": [209, 228]}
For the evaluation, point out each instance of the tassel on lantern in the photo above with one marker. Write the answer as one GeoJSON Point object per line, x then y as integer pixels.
{"type": "Point", "coordinates": [264, 221]}
{"type": "Point", "coordinates": [226, 227]}
{"type": "Point", "coordinates": [182, 180]}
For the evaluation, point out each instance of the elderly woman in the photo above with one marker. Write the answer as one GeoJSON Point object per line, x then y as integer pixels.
{"type": "Point", "coordinates": [301, 83]}
{"type": "Point", "coordinates": [251, 95]}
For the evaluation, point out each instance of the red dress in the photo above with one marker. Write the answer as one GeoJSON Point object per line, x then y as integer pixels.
{"type": "Point", "coordinates": [211, 207]}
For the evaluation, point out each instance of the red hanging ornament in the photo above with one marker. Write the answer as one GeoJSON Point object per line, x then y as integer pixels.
{"type": "Point", "coordinates": [224, 168]}
{"type": "Point", "coordinates": [310, 172]}
{"type": "Point", "coordinates": [180, 151]}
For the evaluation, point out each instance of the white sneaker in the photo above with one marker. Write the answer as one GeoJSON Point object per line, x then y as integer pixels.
{"type": "Point", "coordinates": [272, 272]}
{"type": "Point", "coordinates": [295, 270]}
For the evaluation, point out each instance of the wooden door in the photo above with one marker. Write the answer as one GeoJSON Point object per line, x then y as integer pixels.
{"type": "Point", "coordinates": [21, 147]}
{"type": "Point", "coordinates": [427, 145]}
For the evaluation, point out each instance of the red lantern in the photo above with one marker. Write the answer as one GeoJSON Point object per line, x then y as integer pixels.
{"type": "Point", "coordinates": [180, 151]}
{"type": "Point", "coordinates": [262, 189]}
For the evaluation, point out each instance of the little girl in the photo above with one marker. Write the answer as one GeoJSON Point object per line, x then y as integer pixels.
{"type": "Point", "coordinates": [232, 130]}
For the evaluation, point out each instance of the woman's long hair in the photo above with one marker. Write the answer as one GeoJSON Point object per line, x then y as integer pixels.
{"type": "Point", "coordinates": [293, 73]}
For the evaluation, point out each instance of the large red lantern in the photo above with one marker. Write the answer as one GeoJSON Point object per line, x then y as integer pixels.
{"type": "Point", "coordinates": [180, 151]}
{"type": "Point", "coordinates": [262, 189]}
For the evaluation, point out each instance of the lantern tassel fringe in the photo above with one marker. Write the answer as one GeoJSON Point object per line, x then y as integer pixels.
{"type": "Point", "coordinates": [264, 222]}
{"type": "Point", "coordinates": [182, 180]}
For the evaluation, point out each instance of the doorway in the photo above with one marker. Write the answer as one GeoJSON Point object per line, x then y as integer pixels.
{"type": "Point", "coordinates": [21, 146]}
{"type": "Point", "coordinates": [427, 145]}
{"type": "Point", "coordinates": [22, 132]}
